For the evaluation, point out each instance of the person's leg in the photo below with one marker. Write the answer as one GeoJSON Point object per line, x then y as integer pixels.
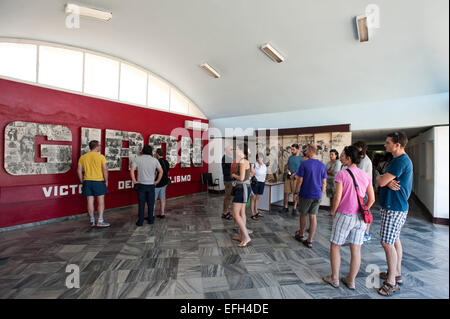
{"type": "Point", "coordinates": [355, 262]}
{"type": "Point", "coordinates": [240, 221]}
{"type": "Point", "coordinates": [253, 205]}
{"type": "Point", "coordinates": [244, 231]}
{"type": "Point", "coordinates": [100, 206]}
{"type": "Point", "coordinates": [286, 198]}
{"type": "Point", "coordinates": [163, 206]}
{"type": "Point", "coordinates": [312, 226]}
{"type": "Point", "coordinates": [331, 205]}
{"type": "Point", "coordinates": [227, 199]}
{"type": "Point", "coordinates": [151, 203]}
{"type": "Point", "coordinates": [399, 250]}
{"type": "Point", "coordinates": [301, 232]}
{"type": "Point", "coordinates": [141, 205]}
{"type": "Point", "coordinates": [335, 260]}
{"type": "Point", "coordinates": [391, 260]}
{"type": "Point", "coordinates": [90, 206]}
{"type": "Point", "coordinates": [293, 191]}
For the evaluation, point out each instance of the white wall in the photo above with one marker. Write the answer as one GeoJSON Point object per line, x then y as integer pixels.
{"type": "Point", "coordinates": [418, 111]}
{"type": "Point", "coordinates": [441, 172]}
{"type": "Point", "coordinates": [429, 153]}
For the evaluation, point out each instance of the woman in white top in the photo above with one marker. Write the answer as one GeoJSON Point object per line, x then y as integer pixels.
{"type": "Point", "coordinates": [258, 186]}
{"type": "Point", "coordinates": [333, 167]}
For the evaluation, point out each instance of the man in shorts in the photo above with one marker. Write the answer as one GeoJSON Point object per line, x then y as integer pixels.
{"type": "Point", "coordinates": [395, 189]}
{"type": "Point", "coordinates": [292, 166]}
{"type": "Point", "coordinates": [227, 160]}
{"type": "Point", "coordinates": [311, 182]}
{"type": "Point", "coordinates": [93, 174]}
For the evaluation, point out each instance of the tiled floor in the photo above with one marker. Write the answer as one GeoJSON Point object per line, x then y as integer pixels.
{"type": "Point", "coordinates": [190, 254]}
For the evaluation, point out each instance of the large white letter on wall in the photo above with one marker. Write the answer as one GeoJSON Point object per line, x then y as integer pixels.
{"type": "Point", "coordinates": [114, 152]}
{"type": "Point", "coordinates": [156, 140]}
{"type": "Point", "coordinates": [20, 149]}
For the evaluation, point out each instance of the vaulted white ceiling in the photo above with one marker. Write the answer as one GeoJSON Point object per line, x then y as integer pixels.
{"type": "Point", "coordinates": [325, 64]}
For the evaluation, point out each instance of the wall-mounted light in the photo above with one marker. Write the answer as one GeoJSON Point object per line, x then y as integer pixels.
{"type": "Point", "coordinates": [210, 70]}
{"type": "Point", "coordinates": [272, 53]}
{"type": "Point", "coordinates": [72, 8]}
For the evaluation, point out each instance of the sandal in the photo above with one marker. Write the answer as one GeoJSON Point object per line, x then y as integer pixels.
{"type": "Point", "coordinates": [384, 275]}
{"type": "Point", "coordinates": [388, 290]}
{"type": "Point", "coordinates": [332, 282]}
{"type": "Point", "coordinates": [350, 284]}
{"type": "Point", "coordinates": [237, 238]}
{"type": "Point", "coordinates": [227, 216]}
{"type": "Point", "coordinates": [307, 244]}
{"type": "Point", "coordinates": [258, 215]}
{"type": "Point", "coordinates": [254, 217]}
{"type": "Point", "coordinates": [299, 238]}
{"type": "Point", "coordinates": [243, 244]}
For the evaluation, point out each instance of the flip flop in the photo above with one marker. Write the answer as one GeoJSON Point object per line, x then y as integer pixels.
{"type": "Point", "coordinates": [242, 244]}
{"type": "Point", "coordinates": [237, 238]}
{"type": "Point", "coordinates": [350, 284]}
{"type": "Point", "coordinates": [332, 282]}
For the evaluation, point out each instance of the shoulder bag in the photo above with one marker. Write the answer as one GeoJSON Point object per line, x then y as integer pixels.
{"type": "Point", "coordinates": [364, 210]}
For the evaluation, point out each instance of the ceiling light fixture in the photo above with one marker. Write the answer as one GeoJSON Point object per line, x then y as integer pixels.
{"type": "Point", "coordinates": [210, 70]}
{"type": "Point", "coordinates": [272, 53]}
{"type": "Point", "coordinates": [88, 12]}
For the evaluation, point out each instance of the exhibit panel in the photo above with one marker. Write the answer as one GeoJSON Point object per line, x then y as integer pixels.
{"type": "Point", "coordinates": [45, 131]}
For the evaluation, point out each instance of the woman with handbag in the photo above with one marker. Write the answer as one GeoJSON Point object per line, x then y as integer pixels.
{"type": "Point", "coordinates": [258, 183]}
{"type": "Point", "coordinates": [241, 191]}
{"type": "Point", "coordinates": [349, 215]}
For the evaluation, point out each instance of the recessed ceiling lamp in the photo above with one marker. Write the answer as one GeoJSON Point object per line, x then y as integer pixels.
{"type": "Point", "coordinates": [210, 70]}
{"type": "Point", "coordinates": [88, 12]}
{"type": "Point", "coordinates": [272, 53]}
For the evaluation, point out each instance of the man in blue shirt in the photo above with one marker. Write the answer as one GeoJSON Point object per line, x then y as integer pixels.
{"type": "Point", "coordinates": [396, 185]}
{"type": "Point", "coordinates": [292, 166]}
{"type": "Point", "coordinates": [311, 183]}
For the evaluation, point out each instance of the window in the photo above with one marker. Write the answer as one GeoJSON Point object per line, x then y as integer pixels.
{"type": "Point", "coordinates": [194, 111]}
{"type": "Point", "coordinates": [61, 68]}
{"type": "Point", "coordinates": [91, 73]}
{"type": "Point", "coordinates": [18, 61]}
{"type": "Point", "coordinates": [178, 103]}
{"type": "Point", "coordinates": [158, 93]}
{"type": "Point", "coordinates": [133, 84]}
{"type": "Point", "coordinates": [101, 76]}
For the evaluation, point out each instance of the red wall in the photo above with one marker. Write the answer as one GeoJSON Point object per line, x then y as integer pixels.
{"type": "Point", "coordinates": [22, 198]}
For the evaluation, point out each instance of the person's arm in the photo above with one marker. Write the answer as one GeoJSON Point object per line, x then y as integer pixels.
{"type": "Point", "coordinates": [80, 173]}
{"type": "Point", "coordinates": [133, 176]}
{"type": "Point", "coordinates": [371, 195]}
{"type": "Point", "coordinates": [385, 179]}
{"type": "Point", "coordinates": [160, 174]}
{"type": "Point", "coordinates": [324, 185]}
{"type": "Point", "coordinates": [336, 199]}
{"type": "Point", "coordinates": [298, 184]}
{"type": "Point", "coordinates": [105, 173]}
{"type": "Point", "coordinates": [241, 176]}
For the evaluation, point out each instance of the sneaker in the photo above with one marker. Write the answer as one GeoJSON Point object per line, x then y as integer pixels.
{"type": "Point", "coordinates": [102, 225]}
{"type": "Point", "coordinates": [93, 224]}
{"type": "Point", "coordinates": [367, 237]}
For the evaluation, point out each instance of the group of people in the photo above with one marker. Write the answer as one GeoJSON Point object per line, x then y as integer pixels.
{"type": "Point", "coordinates": [343, 180]}
{"type": "Point", "coordinates": [150, 184]}
{"type": "Point", "coordinates": [346, 180]}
